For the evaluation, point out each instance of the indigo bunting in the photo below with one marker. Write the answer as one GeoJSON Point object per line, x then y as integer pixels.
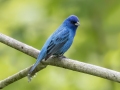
{"type": "Point", "coordinates": [59, 42]}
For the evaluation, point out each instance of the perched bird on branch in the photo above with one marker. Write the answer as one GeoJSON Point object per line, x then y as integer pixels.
{"type": "Point", "coordinates": [59, 42]}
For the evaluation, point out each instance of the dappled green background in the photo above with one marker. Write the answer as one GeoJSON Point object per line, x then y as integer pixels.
{"type": "Point", "coordinates": [97, 41]}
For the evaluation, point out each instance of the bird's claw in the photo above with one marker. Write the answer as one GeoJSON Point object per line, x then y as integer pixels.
{"type": "Point", "coordinates": [58, 56]}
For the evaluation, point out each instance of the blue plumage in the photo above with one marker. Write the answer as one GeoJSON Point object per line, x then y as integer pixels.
{"type": "Point", "coordinates": [59, 42]}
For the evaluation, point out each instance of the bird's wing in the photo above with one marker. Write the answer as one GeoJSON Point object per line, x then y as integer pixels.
{"type": "Point", "coordinates": [57, 41]}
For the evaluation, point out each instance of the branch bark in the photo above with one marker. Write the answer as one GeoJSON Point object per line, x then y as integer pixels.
{"type": "Point", "coordinates": [62, 62]}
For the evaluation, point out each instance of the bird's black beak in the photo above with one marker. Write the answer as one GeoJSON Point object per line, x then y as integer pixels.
{"type": "Point", "coordinates": [77, 24]}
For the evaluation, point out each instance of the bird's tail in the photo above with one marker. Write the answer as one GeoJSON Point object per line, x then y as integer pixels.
{"type": "Point", "coordinates": [31, 73]}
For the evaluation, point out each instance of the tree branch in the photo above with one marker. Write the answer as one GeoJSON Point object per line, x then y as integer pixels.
{"type": "Point", "coordinates": [62, 62]}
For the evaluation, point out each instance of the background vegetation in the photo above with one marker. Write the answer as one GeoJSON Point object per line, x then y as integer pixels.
{"type": "Point", "coordinates": [32, 21]}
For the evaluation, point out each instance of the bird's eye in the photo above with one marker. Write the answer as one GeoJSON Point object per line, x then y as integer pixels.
{"type": "Point", "coordinates": [73, 22]}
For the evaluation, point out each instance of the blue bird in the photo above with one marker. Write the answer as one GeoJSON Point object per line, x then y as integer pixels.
{"type": "Point", "coordinates": [59, 42]}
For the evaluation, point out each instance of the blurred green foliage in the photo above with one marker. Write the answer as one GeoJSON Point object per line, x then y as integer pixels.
{"type": "Point", "coordinates": [32, 21]}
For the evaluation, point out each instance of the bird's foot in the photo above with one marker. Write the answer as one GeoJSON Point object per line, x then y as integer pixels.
{"type": "Point", "coordinates": [63, 56]}
{"type": "Point", "coordinates": [55, 56]}
{"type": "Point", "coordinates": [58, 56]}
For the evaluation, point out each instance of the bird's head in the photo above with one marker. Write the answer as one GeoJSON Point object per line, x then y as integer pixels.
{"type": "Point", "coordinates": [72, 21]}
